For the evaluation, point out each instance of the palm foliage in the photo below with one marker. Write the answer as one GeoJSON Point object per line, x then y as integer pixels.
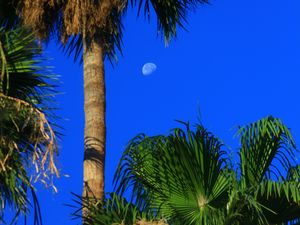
{"type": "Point", "coordinates": [188, 178]}
{"type": "Point", "coordinates": [73, 20]}
{"type": "Point", "coordinates": [113, 210]}
{"type": "Point", "coordinates": [27, 139]}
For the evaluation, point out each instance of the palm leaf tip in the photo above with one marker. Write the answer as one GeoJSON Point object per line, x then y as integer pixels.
{"type": "Point", "coordinates": [170, 14]}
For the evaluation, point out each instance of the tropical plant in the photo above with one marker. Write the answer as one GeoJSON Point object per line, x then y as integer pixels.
{"type": "Point", "coordinates": [188, 177]}
{"type": "Point", "coordinates": [96, 27]}
{"type": "Point", "coordinates": [113, 210]}
{"type": "Point", "coordinates": [27, 136]}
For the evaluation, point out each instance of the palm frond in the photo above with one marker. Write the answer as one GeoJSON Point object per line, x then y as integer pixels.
{"type": "Point", "coordinates": [243, 209]}
{"type": "Point", "coordinates": [293, 174]}
{"type": "Point", "coordinates": [25, 129]}
{"type": "Point", "coordinates": [170, 14]}
{"type": "Point", "coordinates": [267, 150]}
{"type": "Point", "coordinates": [72, 20]}
{"type": "Point", "coordinates": [28, 143]}
{"type": "Point", "coordinates": [282, 199]}
{"type": "Point", "coordinates": [113, 210]}
{"type": "Point", "coordinates": [181, 175]}
{"type": "Point", "coordinates": [186, 178]}
{"type": "Point", "coordinates": [26, 89]}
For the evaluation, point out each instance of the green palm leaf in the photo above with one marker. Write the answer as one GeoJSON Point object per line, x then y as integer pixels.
{"type": "Point", "coordinates": [28, 142]}
{"type": "Point", "coordinates": [267, 150]}
{"type": "Point", "coordinates": [181, 175]}
{"type": "Point", "coordinates": [185, 177]}
{"type": "Point", "coordinates": [113, 210]}
{"type": "Point", "coordinates": [282, 199]}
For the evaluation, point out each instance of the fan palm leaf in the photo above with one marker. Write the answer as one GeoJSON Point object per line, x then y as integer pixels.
{"type": "Point", "coordinates": [182, 175]}
{"type": "Point", "coordinates": [187, 177]}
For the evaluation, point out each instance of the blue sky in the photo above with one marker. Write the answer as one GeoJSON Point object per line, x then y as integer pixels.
{"type": "Point", "coordinates": [238, 62]}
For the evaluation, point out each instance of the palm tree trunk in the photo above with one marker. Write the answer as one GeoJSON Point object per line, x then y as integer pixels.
{"type": "Point", "coordinates": [95, 130]}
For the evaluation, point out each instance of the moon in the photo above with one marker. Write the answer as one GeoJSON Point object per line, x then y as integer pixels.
{"type": "Point", "coordinates": [148, 69]}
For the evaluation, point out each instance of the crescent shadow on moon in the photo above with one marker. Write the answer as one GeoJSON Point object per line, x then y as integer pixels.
{"type": "Point", "coordinates": [148, 69]}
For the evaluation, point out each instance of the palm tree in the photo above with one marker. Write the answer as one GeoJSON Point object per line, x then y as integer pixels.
{"type": "Point", "coordinates": [27, 138]}
{"type": "Point", "coordinates": [96, 26]}
{"type": "Point", "coordinates": [189, 178]}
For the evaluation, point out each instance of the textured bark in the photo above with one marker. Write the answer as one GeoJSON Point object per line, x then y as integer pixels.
{"type": "Point", "coordinates": [95, 130]}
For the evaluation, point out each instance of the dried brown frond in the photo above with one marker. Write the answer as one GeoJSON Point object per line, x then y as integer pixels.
{"type": "Point", "coordinates": [144, 222]}
{"type": "Point", "coordinates": [90, 17]}
{"type": "Point", "coordinates": [70, 17]}
{"type": "Point", "coordinates": [40, 15]}
{"type": "Point", "coordinates": [30, 123]}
